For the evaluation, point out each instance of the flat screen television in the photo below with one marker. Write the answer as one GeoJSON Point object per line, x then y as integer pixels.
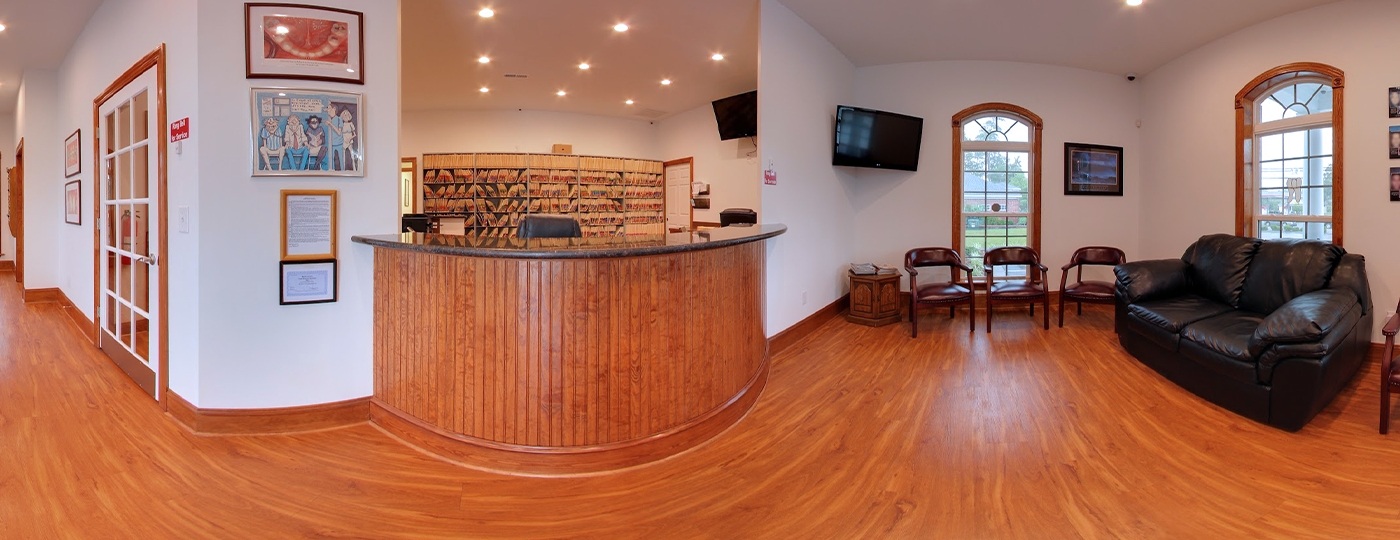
{"type": "Point", "coordinates": [737, 116]}
{"type": "Point", "coordinates": [877, 139]}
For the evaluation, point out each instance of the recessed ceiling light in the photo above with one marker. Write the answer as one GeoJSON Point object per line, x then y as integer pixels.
{"type": "Point", "coordinates": [716, 57]}
{"type": "Point", "coordinates": [485, 89]}
{"type": "Point", "coordinates": [561, 93]}
{"type": "Point", "coordinates": [665, 82]}
{"type": "Point", "coordinates": [484, 60]}
{"type": "Point", "coordinates": [1135, 2]}
{"type": "Point", "coordinates": [629, 102]}
{"type": "Point", "coordinates": [281, 30]}
{"type": "Point", "coordinates": [2, 27]}
{"type": "Point", "coordinates": [620, 27]}
{"type": "Point", "coordinates": [486, 13]}
{"type": "Point", "coordinates": [584, 65]}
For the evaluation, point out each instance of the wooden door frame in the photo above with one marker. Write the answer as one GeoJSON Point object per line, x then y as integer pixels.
{"type": "Point", "coordinates": [19, 236]}
{"type": "Point", "coordinates": [416, 187]}
{"type": "Point", "coordinates": [690, 227]}
{"type": "Point", "coordinates": [154, 60]}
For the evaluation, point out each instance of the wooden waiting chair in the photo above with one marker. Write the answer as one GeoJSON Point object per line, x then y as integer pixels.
{"type": "Point", "coordinates": [1029, 290]}
{"type": "Point", "coordinates": [937, 293]}
{"type": "Point", "coordinates": [1091, 291]}
{"type": "Point", "coordinates": [1390, 369]}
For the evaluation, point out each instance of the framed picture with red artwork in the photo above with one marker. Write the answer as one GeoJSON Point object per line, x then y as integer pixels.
{"type": "Point", "coordinates": [285, 41]}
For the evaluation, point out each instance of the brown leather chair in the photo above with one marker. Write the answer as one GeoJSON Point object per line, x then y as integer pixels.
{"type": "Point", "coordinates": [1390, 369]}
{"type": "Point", "coordinates": [950, 293]}
{"type": "Point", "coordinates": [1093, 291]}
{"type": "Point", "coordinates": [1028, 290]}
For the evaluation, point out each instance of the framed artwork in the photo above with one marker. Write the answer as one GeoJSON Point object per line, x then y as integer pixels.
{"type": "Point", "coordinates": [307, 133]}
{"type": "Point", "coordinates": [1393, 104]}
{"type": "Point", "coordinates": [308, 282]}
{"type": "Point", "coordinates": [286, 41]}
{"type": "Point", "coordinates": [73, 154]}
{"type": "Point", "coordinates": [308, 224]}
{"type": "Point", "coordinates": [1395, 184]}
{"type": "Point", "coordinates": [1093, 169]}
{"type": "Point", "coordinates": [1394, 142]}
{"type": "Point", "coordinates": [73, 202]}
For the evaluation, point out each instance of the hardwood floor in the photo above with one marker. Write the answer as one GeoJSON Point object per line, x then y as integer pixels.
{"type": "Point", "coordinates": [861, 433]}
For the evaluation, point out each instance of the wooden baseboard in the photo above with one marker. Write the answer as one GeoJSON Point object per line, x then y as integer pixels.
{"type": "Point", "coordinates": [267, 421]}
{"type": "Point", "coordinates": [805, 327]}
{"type": "Point", "coordinates": [85, 325]}
{"type": "Point", "coordinates": [41, 296]}
{"type": "Point", "coordinates": [7, 266]}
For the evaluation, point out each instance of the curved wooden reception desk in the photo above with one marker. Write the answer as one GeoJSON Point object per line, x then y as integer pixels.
{"type": "Point", "coordinates": [567, 356]}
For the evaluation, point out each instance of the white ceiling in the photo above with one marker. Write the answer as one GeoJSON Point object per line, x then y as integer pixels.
{"type": "Point", "coordinates": [38, 35]}
{"type": "Point", "coordinates": [1099, 35]}
{"type": "Point", "coordinates": [547, 39]}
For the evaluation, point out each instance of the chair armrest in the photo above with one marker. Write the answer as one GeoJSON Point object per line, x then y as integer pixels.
{"type": "Point", "coordinates": [911, 270]}
{"type": "Point", "coordinates": [965, 268]}
{"type": "Point", "coordinates": [1145, 280]}
{"type": "Point", "coordinates": [1392, 325]}
{"type": "Point", "coordinates": [1067, 267]}
{"type": "Point", "coordinates": [1304, 319]}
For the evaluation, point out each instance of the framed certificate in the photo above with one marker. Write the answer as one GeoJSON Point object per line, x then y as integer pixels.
{"type": "Point", "coordinates": [308, 282]}
{"type": "Point", "coordinates": [308, 224]}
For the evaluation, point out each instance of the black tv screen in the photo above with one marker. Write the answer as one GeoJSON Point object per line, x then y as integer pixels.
{"type": "Point", "coordinates": [737, 116]}
{"type": "Point", "coordinates": [877, 139]}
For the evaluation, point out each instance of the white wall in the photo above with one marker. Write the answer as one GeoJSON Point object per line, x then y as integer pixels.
{"type": "Point", "coordinates": [1188, 124]}
{"type": "Point", "coordinates": [253, 352]}
{"type": "Point", "coordinates": [897, 210]}
{"type": "Point", "coordinates": [7, 160]}
{"type": "Point", "coordinates": [730, 167]}
{"type": "Point", "coordinates": [801, 80]}
{"type": "Point", "coordinates": [429, 132]}
{"type": "Point", "coordinates": [38, 123]}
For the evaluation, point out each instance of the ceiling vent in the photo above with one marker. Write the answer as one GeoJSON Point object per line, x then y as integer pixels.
{"type": "Point", "coordinates": [517, 76]}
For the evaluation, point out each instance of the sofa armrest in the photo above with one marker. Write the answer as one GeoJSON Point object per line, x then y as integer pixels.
{"type": "Point", "coordinates": [1145, 280]}
{"type": "Point", "coordinates": [1304, 319]}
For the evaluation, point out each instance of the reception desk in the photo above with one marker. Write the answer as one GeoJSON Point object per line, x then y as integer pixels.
{"type": "Point", "coordinates": [567, 356]}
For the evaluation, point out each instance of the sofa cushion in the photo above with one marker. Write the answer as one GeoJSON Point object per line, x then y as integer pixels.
{"type": "Point", "coordinates": [1173, 314]}
{"type": "Point", "coordinates": [1226, 334]}
{"type": "Point", "coordinates": [1224, 367]}
{"type": "Point", "coordinates": [1216, 266]}
{"type": "Point", "coordinates": [1285, 269]}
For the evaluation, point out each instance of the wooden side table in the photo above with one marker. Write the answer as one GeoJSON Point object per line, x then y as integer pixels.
{"type": "Point", "coordinates": [874, 299]}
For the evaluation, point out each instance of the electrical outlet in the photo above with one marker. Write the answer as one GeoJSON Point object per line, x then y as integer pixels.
{"type": "Point", "coordinates": [804, 298]}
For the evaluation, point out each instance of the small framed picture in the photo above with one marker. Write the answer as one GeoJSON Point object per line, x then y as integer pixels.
{"type": "Point", "coordinates": [286, 41]}
{"type": "Point", "coordinates": [1394, 102]}
{"type": "Point", "coordinates": [1093, 169]}
{"type": "Point", "coordinates": [1395, 184]}
{"type": "Point", "coordinates": [308, 282]}
{"type": "Point", "coordinates": [1394, 142]}
{"type": "Point", "coordinates": [73, 202]}
{"type": "Point", "coordinates": [307, 133]}
{"type": "Point", "coordinates": [73, 154]}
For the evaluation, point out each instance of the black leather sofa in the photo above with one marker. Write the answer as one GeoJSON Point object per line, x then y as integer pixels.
{"type": "Point", "coordinates": [1271, 330]}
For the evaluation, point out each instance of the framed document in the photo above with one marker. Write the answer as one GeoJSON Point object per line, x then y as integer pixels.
{"type": "Point", "coordinates": [287, 41]}
{"type": "Point", "coordinates": [308, 282]}
{"type": "Point", "coordinates": [308, 224]}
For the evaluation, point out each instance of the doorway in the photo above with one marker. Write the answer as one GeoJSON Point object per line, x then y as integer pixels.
{"type": "Point", "coordinates": [16, 211]}
{"type": "Point", "coordinates": [130, 235]}
{"type": "Point", "coordinates": [679, 174]}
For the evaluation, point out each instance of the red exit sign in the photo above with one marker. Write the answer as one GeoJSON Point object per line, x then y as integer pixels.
{"type": "Point", "coordinates": [180, 129]}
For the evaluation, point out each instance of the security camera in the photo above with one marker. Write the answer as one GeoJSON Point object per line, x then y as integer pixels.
{"type": "Point", "coordinates": [1132, 77]}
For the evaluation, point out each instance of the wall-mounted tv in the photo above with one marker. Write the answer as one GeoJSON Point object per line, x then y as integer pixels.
{"type": "Point", "coordinates": [737, 116]}
{"type": "Point", "coordinates": [877, 139]}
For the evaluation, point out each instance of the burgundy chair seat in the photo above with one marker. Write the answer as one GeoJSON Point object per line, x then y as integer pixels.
{"type": "Point", "coordinates": [1030, 290]}
{"type": "Point", "coordinates": [942, 292]}
{"type": "Point", "coordinates": [949, 293]}
{"type": "Point", "coordinates": [1081, 291]}
{"type": "Point", "coordinates": [1097, 290]}
{"type": "Point", "coordinates": [1008, 289]}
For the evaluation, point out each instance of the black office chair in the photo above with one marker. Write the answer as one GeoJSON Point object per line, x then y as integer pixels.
{"type": "Point", "coordinates": [737, 216]}
{"type": "Point", "coordinates": [416, 223]}
{"type": "Point", "coordinates": [548, 226]}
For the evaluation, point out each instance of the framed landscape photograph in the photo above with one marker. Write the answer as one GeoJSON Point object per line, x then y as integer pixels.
{"type": "Point", "coordinates": [308, 282]}
{"type": "Point", "coordinates": [73, 202]}
{"type": "Point", "coordinates": [307, 133]}
{"type": "Point", "coordinates": [73, 154]}
{"type": "Point", "coordinates": [1093, 169]}
{"type": "Point", "coordinates": [285, 41]}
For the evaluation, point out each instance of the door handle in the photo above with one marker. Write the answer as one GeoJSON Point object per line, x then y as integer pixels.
{"type": "Point", "coordinates": [146, 259]}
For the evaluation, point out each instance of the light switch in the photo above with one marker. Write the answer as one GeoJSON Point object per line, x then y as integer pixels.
{"type": "Point", "coordinates": [183, 219]}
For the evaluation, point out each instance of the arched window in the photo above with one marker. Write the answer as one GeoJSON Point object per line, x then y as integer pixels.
{"type": "Point", "coordinates": [1289, 154]}
{"type": "Point", "coordinates": [996, 180]}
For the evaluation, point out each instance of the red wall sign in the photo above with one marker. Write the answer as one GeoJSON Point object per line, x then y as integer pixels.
{"type": "Point", "coordinates": [180, 129]}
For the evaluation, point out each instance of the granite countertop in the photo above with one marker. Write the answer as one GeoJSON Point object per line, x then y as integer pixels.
{"type": "Point", "coordinates": [572, 248]}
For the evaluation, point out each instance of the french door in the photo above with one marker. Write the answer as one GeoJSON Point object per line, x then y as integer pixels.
{"type": "Point", "coordinates": [128, 135]}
